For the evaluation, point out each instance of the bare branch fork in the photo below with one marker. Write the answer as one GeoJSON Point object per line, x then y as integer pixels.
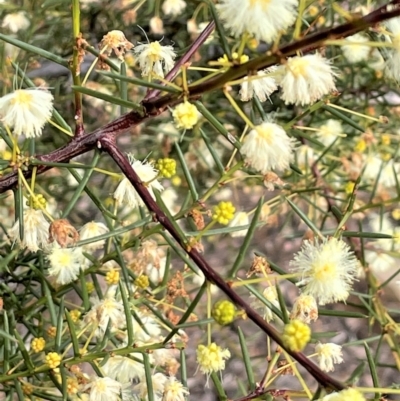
{"type": "Point", "coordinates": [153, 105]}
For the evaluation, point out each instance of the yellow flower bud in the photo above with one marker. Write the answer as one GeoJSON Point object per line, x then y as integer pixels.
{"type": "Point", "coordinates": [223, 312]}
{"type": "Point", "coordinates": [296, 335]}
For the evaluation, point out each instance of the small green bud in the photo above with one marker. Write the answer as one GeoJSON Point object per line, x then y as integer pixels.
{"type": "Point", "coordinates": [142, 281]}
{"type": "Point", "coordinates": [38, 202]}
{"type": "Point", "coordinates": [166, 167]}
{"type": "Point", "coordinates": [223, 312]}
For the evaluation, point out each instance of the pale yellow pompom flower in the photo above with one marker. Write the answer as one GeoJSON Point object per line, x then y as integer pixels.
{"type": "Point", "coordinates": [156, 26]}
{"type": "Point", "coordinates": [263, 19]}
{"type": "Point", "coordinates": [306, 79]}
{"type": "Point", "coordinates": [154, 58]}
{"type": "Point", "coordinates": [329, 131]}
{"type": "Point", "coordinates": [158, 380]}
{"type": "Point", "coordinates": [267, 147]}
{"type": "Point", "coordinates": [260, 85]}
{"type": "Point", "coordinates": [104, 312]}
{"type": "Point", "coordinates": [185, 115]}
{"type": "Point", "coordinates": [26, 111]}
{"type": "Point", "coordinates": [126, 194]}
{"type": "Point", "coordinates": [174, 390]}
{"type": "Point", "coordinates": [240, 219]}
{"type": "Point", "coordinates": [104, 389]}
{"type": "Point", "coordinates": [91, 230]}
{"type": "Point", "coordinates": [15, 22]}
{"type": "Point", "coordinates": [36, 230]}
{"type": "Point", "coordinates": [211, 358]}
{"type": "Point", "coordinates": [65, 264]}
{"type": "Point", "coordinates": [356, 50]}
{"type": "Point", "coordinates": [327, 269]}
{"type": "Point", "coordinates": [328, 354]}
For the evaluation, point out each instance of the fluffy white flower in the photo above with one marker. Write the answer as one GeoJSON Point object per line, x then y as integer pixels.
{"type": "Point", "coordinates": [170, 197]}
{"type": "Point", "coordinates": [154, 58]}
{"type": "Point", "coordinates": [125, 194]}
{"type": "Point", "coordinates": [155, 271]}
{"type": "Point", "coordinates": [173, 7]}
{"type": "Point", "coordinates": [211, 358]}
{"type": "Point", "coordinates": [260, 85]}
{"type": "Point", "coordinates": [185, 115]}
{"type": "Point", "coordinates": [26, 111]}
{"type": "Point", "coordinates": [263, 19]}
{"type": "Point", "coordinates": [330, 131]}
{"type": "Point", "coordinates": [158, 380]}
{"type": "Point", "coordinates": [268, 147]}
{"type": "Point", "coordinates": [174, 390]}
{"type": "Point", "coordinates": [65, 263]}
{"type": "Point", "coordinates": [36, 230]}
{"type": "Point", "coordinates": [15, 22]}
{"type": "Point", "coordinates": [123, 368]}
{"type": "Point", "coordinates": [393, 62]}
{"type": "Point", "coordinates": [306, 79]}
{"type": "Point", "coordinates": [271, 295]}
{"type": "Point", "coordinates": [104, 389]}
{"type": "Point", "coordinates": [379, 260]}
{"type": "Point", "coordinates": [327, 355]}
{"type": "Point", "coordinates": [356, 50]}
{"type": "Point", "coordinates": [327, 269]}
{"type": "Point", "coordinates": [381, 256]}
{"type": "Point", "coordinates": [91, 230]}
{"type": "Point", "coordinates": [152, 327]}
{"type": "Point", "coordinates": [104, 311]}
{"type": "Point", "coordinates": [305, 156]}
{"type": "Point", "coordinates": [240, 219]}
{"type": "Point", "coordinates": [376, 168]}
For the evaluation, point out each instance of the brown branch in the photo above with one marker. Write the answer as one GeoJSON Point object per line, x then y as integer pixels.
{"type": "Point", "coordinates": [109, 145]}
{"type": "Point", "coordinates": [312, 41]}
{"type": "Point", "coordinates": [152, 107]}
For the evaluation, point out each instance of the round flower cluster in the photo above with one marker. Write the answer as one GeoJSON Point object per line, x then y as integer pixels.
{"type": "Point", "coordinates": [185, 115]}
{"type": "Point", "coordinates": [223, 312]}
{"type": "Point", "coordinates": [223, 212]}
{"type": "Point", "coordinates": [327, 269]}
{"type": "Point", "coordinates": [166, 167]}
{"type": "Point", "coordinates": [38, 344]}
{"type": "Point", "coordinates": [75, 314]}
{"type": "Point", "coordinates": [112, 277]}
{"type": "Point", "coordinates": [38, 202]}
{"type": "Point", "coordinates": [26, 111]}
{"type": "Point", "coordinates": [296, 335]}
{"type": "Point", "coordinates": [211, 358]}
{"type": "Point", "coordinates": [142, 281]}
{"type": "Point", "coordinates": [268, 147]}
{"type": "Point", "coordinates": [53, 360]}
